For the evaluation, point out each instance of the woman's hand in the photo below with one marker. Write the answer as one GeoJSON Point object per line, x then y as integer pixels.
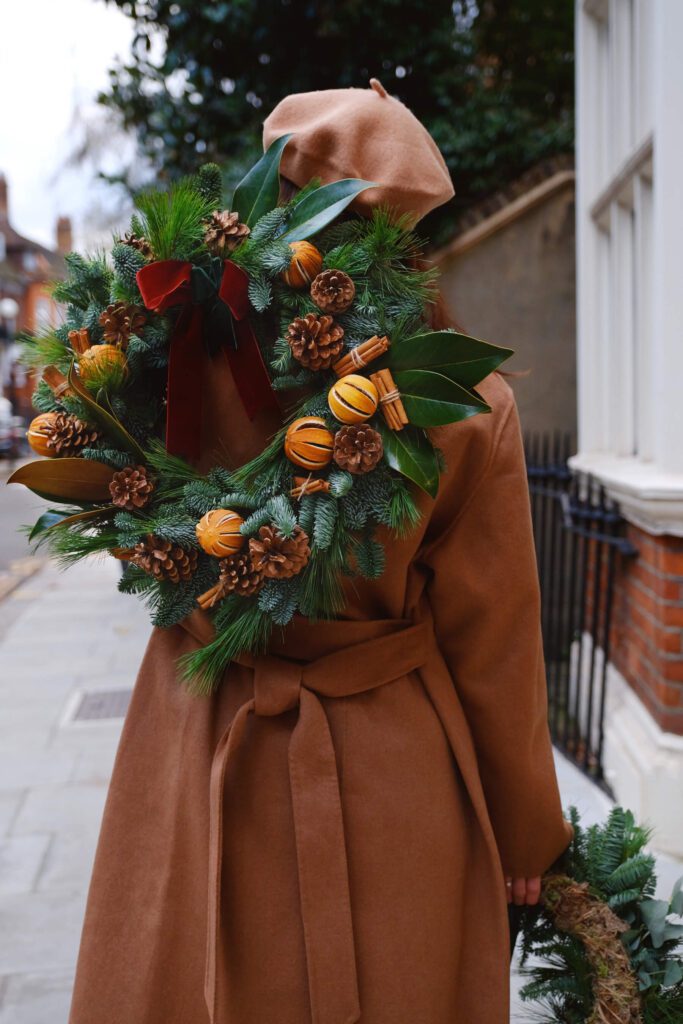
{"type": "Point", "coordinates": [523, 890]}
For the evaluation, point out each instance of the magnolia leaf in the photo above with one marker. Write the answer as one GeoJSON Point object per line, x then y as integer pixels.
{"type": "Point", "coordinates": [430, 399]}
{"type": "Point", "coordinates": [52, 518]}
{"type": "Point", "coordinates": [113, 428]}
{"type": "Point", "coordinates": [66, 479]}
{"type": "Point", "coordinates": [411, 453]}
{"type": "Point", "coordinates": [44, 523]}
{"type": "Point", "coordinates": [318, 208]}
{"type": "Point", "coordinates": [464, 359]}
{"type": "Point", "coordinates": [258, 191]}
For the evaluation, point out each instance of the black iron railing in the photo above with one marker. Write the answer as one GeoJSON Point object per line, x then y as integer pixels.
{"type": "Point", "coordinates": [579, 535]}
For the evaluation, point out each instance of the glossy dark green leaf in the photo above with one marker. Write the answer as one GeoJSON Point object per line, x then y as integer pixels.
{"type": "Point", "coordinates": [66, 479]}
{"type": "Point", "coordinates": [467, 360]}
{"type": "Point", "coordinates": [411, 453]}
{"type": "Point", "coordinates": [44, 523]}
{"type": "Point", "coordinates": [114, 430]}
{"type": "Point", "coordinates": [258, 191]}
{"type": "Point", "coordinates": [52, 518]}
{"type": "Point", "coordinates": [430, 399]}
{"type": "Point", "coordinates": [317, 209]}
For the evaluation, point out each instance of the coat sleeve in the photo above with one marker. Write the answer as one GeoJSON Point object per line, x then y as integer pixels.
{"type": "Point", "coordinates": [484, 593]}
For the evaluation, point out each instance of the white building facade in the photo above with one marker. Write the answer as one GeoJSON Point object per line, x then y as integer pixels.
{"type": "Point", "coordinates": [630, 368]}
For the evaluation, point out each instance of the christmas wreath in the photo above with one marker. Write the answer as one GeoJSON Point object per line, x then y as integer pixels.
{"type": "Point", "coordinates": [341, 323]}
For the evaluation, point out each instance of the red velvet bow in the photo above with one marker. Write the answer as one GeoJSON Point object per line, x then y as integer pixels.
{"type": "Point", "coordinates": [166, 284]}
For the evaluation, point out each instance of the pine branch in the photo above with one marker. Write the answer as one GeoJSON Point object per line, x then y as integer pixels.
{"type": "Point", "coordinates": [247, 629]}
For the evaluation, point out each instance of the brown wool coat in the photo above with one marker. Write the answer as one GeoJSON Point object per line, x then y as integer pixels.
{"type": "Point", "coordinates": [324, 840]}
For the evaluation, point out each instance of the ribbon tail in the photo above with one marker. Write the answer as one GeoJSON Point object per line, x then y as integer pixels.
{"type": "Point", "coordinates": [228, 743]}
{"type": "Point", "coordinates": [246, 362]}
{"type": "Point", "coordinates": [249, 371]}
{"type": "Point", "coordinates": [184, 393]}
{"type": "Point", "coordinates": [323, 870]}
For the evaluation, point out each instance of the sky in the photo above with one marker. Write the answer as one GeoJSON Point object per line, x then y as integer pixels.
{"type": "Point", "coordinates": [54, 56]}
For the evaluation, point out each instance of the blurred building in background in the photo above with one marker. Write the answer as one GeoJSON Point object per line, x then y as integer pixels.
{"type": "Point", "coordinates": [26, 271]}
{"type": "Point", "coordinates": [630, 374]}
{"type": "Point", "coordinates": [508, 276]}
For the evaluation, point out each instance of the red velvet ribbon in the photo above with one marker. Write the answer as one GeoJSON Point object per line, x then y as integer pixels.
{"type": "Point", "coordinates": [166, 284]}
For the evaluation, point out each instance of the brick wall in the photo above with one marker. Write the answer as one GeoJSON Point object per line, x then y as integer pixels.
{"type": "Point", "coordinates": [647, 632]}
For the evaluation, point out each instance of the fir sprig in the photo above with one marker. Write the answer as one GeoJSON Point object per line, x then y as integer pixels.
{"type": "Point", "coordinates": [173, 221]}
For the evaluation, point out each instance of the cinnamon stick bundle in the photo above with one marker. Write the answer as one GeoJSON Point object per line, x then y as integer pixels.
{"type": "Point", "coordinates": [308, 485]}
{"type": "Point", "coordinates": [56, 381]}
{"type": "Point", "coordinates": [358, 357]}
{"type": "Point", "coordinates": [211, 597]}
{"type": "Point", "coordinates": [390, 399]}
{"type": "Point", "coordinates": [80, 340]}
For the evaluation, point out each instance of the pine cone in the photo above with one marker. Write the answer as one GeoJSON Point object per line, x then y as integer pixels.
{"type": "Point", "coordinates": [315, 341]}
{"type": "Point", "coordinates": [141, 244]}
{"type": "Point", "coordinates": [224, 232]}
{"type": "Point", "coordinates": [120, 321]}
{"type": "Point", "coordinates": [239, 576]}
{"type": "Point", "coordinates": [165, 560]}
{"type": "Point", "coordinates": [69, 435]}
{"type": "Point", "coordinates": [333, 291]}
{"type": "Point", "coordinates": [279, 557]}
{"type": "Point", "coordinates": [131, 488]}
{"type": "Point", "coordinates": [357, 448]}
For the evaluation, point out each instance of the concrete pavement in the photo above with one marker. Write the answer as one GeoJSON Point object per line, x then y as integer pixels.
{"type": "Point", "coordinates": [72, 644]}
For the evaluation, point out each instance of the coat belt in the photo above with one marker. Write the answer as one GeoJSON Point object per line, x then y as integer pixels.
{"type": "Point", "coordinates": [282, 684]}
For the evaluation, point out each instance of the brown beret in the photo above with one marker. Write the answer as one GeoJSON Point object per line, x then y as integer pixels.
{"type": "Point", "coordinates": [361, 133]}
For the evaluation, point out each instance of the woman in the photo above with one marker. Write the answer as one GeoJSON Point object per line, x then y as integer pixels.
{"type": "Point", "coordinates": [355, 832]}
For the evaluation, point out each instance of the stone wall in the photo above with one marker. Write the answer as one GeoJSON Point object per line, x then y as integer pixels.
{"type": "Point", "coordinates": [511, 280]}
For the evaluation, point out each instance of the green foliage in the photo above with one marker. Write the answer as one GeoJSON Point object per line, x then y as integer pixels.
{"type": "Point", "coordinates": [114, 458]}
{"type": "Point", "coordinates": [38, 351]}
{"type": "Point", "coordinates": [209, 184]}
{"type": "Point", "coordinates": [43, 399]}
{"type": "Point", "coordinates": [325, 516]}
{"type": "Point", "coordinates": [87, 285]}
{"type": "Point", "coordinates": [127, 261]}
{"type": "Point", "coordinates": [260, 292]}
{"type": "Point", "coordinates": [279, 598]}
{"type": "Point", "coordinates": [241, 625]}
{"type": "Point", "coordinates": [172, 221]}
{"type": "Point", "coordinates": [370, 556]}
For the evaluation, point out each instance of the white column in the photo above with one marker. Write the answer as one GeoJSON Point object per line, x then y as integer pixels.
{"type": "Point", "coordinates": [590, 164]}
{"type": "Point", "coordinates": [667, 295]}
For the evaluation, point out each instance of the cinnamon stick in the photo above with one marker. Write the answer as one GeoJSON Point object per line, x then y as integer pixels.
{"type": "Point", "coordinates": [389, 399]}
{"type": "Point", "coordinates": [56, 381]}
{"type": "Point", "coordinates": [361, 355]}
{"type": "Point", "coordinates": [211, 597]}
{"type": "Point", "coordinates": [308, 485]}
{"type": "Point", "coordinates": [80, 340]}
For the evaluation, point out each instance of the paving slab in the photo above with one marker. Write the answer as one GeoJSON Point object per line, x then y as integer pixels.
{"type": "Point", "coordinates": [40, 931]}
{"type": "Point", "coordinates": [10, 802]}
{"type": "Point", "coordinates": [21, 861]}
{"type": "Point", "coordinates": [61, 807]}
{"type": "Point", "coordinates": [36, 998]}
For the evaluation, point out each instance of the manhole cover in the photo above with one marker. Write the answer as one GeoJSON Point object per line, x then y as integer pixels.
{"type": "Point", "coordinates": [99, 704]}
